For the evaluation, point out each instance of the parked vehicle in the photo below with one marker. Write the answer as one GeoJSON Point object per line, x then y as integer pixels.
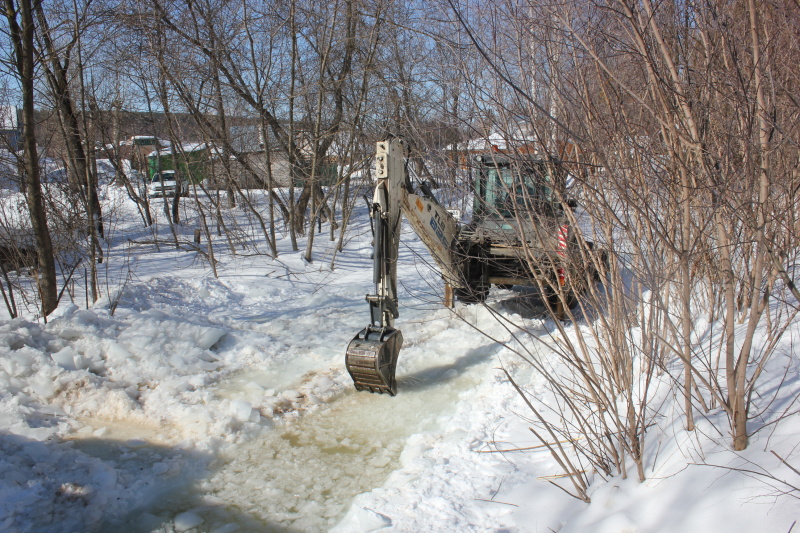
{"type": "Point", "coordinates": [164, 183]}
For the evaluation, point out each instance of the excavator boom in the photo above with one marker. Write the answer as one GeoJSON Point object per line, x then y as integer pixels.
{"type": "Point", "coordinates": [371, 357]}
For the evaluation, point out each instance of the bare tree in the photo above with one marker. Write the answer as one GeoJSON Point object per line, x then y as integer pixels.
{"type": "Point", "coordinates": [673, 132]}
{"type": "Point", "coordinates": [20, 19]}
{"type": "Point", "coordinates": [60, 50]}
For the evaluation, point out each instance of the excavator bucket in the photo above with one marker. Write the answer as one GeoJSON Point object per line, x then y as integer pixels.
{"type": "Point", "coordinates": [372, 359]}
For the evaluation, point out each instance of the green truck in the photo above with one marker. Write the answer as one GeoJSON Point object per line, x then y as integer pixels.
{"type": "Point", "coordinates": [191, 162]}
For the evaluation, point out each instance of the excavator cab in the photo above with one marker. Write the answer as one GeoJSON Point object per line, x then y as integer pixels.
{"type": "Point", "coordinates": [507, 188]}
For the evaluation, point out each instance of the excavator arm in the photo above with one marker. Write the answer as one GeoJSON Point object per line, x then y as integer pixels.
{"type": "Point", "coordinates": [371, 357]}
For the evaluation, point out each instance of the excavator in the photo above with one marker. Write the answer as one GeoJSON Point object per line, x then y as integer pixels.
{"type": "Point", "coordinates": [519, 234]}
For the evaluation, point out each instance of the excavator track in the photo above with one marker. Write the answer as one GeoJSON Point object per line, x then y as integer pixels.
{"type": "Point", "coordinates": [371, 359]}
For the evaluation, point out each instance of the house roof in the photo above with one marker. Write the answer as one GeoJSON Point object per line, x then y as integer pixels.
{"type": "Point", "coordinates": [495, 140]}
{"type": "Point", "coordinates": [184, 148]}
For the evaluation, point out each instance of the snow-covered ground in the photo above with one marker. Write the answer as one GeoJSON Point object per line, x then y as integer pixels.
{"type": "Point", "coordinates": [184, 402]}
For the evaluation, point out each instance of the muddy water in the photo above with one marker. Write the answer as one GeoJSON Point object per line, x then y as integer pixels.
{"type": "Point", "coordinates": [302, 475]}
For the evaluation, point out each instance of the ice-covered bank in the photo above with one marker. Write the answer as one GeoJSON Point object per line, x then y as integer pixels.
{"type": "Point", "coordinates": [191, 414]}
{"type": "Point", "coordinates": [219, 401]}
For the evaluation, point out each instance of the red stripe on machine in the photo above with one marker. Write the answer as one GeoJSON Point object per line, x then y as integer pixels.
{"type": "Point", "coordinates": [563, 233]}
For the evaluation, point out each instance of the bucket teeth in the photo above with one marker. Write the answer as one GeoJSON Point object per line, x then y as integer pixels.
{"type": "Point", "coordinates": [371, 359]}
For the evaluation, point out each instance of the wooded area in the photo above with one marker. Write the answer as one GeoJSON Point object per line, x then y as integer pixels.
{"type": "Point", "coordinates": [678, 122]}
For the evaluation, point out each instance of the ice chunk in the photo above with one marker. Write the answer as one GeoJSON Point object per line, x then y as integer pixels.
{"type": "Point", "coordinates": [116, 352]}
{"type": "Point", "coordinates": [41, 387]}
{"type": "Point", "coordinates": [323, 384]}
{"type": "Point", "coordinates": [70, 334]}
{"type": "Point", "coordinates": [187, 520]}
{"type": "Point", "coordinates": [205, 338]}
{"type": "Point", "coordinates": [380, 461]}
{"type": "Point", "coordinates": [209, 367]}
{"type": "Point", "coordinates": [81, 362]}
{"type": "Point", "coordinates": [68, 359]}
{"type": "Point", "coordinates": [241, 410]}
{"type": "Point", "coordinates": [253, 386]}
{"type": "Point", "coordinates": [65, 358]}
{"type": "Point", "coordinates": [21, 363]}
{"type": "Point", "coordinates": [359, 519]}
{"type": "Point", "coordinates": [292, 395]}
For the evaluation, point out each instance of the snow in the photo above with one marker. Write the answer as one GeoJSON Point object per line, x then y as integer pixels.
{"type": "Point", "coordinates": [184, 402]}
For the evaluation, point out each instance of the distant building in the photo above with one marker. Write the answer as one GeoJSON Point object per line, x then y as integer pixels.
{"type": "Point", "coordinates": [248, 164]}
{"type": "Point", "coordinates": [137, 148]}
